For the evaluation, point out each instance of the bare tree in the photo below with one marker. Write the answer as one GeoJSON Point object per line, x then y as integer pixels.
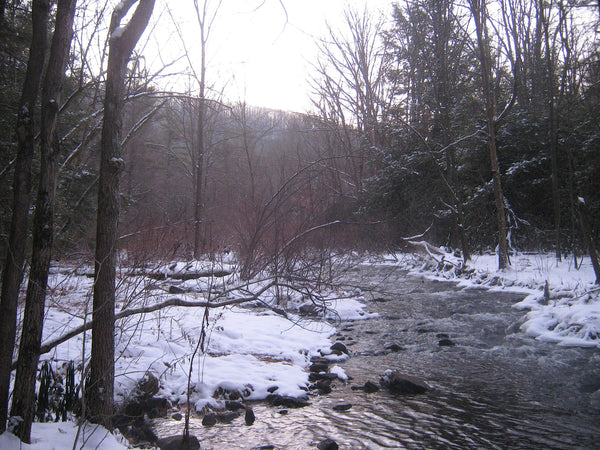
{"type": "Point", "coordinates": [43, 226]}
{"type": "Point", "coordinates": [350, 87]}
{"type": "Point", "coordinates": [123, 38]}
{"type": "Point", "coordinates": [205, 20]}
{"type": "Point", "coordinates": [480, 16]}
{"type": "Point", "coordinates": [12, 274]}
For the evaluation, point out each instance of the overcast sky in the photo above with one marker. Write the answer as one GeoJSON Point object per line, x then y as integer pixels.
{"type": "Point", "coordinates": [260, 50]}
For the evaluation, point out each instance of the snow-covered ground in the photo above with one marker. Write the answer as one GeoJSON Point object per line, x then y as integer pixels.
{"type": "Point", "coordinates": [247, 348]}
{"type": "Point", "coordinates": [250, 349]}
{"type": "Point", "coordinates": [62, 435]}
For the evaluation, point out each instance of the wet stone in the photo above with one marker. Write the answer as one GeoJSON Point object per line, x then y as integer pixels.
{"type": "Point", "coordinates": [394, 348]}
{"type": "Point", "coordinates": [227, 417]}
{"type": "Point", "coordinates": [342, 407]}
{"type": "Point", "coordinates": [399, 383]}
{"type": "Point", "coordinates": [234, 406]}
{"type": "Point", "coordinates": [179, 443]}
{"type": "Point", "coordinates": [288, 402]}
{"type": "Point", "coordinates": [209, 420]}
{"type": "Point", "coordinates": [318, 367]}
{"type": "Point", "coordinates": [327, 444]}
{"type": "Point", "coordinates": [339, 347]}
{"type": "Point", "coordinates": [249, 418]}
{"type": "Point", "coordinates": [370, 387]}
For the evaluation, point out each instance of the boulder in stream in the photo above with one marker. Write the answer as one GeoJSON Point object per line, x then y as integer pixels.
{"type": "Point", "coordinates": [446, 343]}
{"type": "Point", "coordinates": [369, 387]}
{"type": "Point", "coordinates": [250, 417]}
{"type": "Point", "coordinates": [342, 407]}
{"type": "Point", "coordinates": [287, 402]}
{"type": "Point", "coordinates": [339, 348]}
{"type": "Point", "coordinates": [398, 383]}
{"type": "Point", "coordinates": [179, 443]}
{"type": "Point", "coordinates": [327, 444]}
{"type": "Point", "coordinates": [209, 420]}
{"type": "Point", "coordinates": [394, 348]}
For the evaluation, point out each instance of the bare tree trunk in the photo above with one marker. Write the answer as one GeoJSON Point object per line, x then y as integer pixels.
{"type": "Point", "coordinates": [15, 258]}
{"type": "Point", "coordinates": [586, 231]}
{"type": "Point", "coordinates": [43, 226]}
{"type": "Point", "coordinates": [553, 133]}
{"type": "Point", "coordinates": [123, 38]}
{"type": "Point", "coordinates": [480, 17]}
{"type": "Point", "coordinates": [202, 17]}
{"type": "Point", "coordinates": [199, 177]}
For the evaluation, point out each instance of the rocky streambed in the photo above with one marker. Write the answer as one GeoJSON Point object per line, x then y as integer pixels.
{"type": "Point", "coordinates": [439, 368]}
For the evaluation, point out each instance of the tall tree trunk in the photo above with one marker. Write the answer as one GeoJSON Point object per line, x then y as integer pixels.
{"type": "Point", "coordinates": [123, 38]}
{"type": "Point", "coordinates": [200, 135]}
{"type": "Point", "coordinates": [588, 239]}
{"type": "Point", "coordinates": [478, 10]}
{"type": "Point", "coordinates": [12, 275]}
{"type": "Point", "coordinates": [43, 225]}
{"type": "Point", "coordinates": [550, 89]}
{"type": "Point", "coordinates": [199, 178]}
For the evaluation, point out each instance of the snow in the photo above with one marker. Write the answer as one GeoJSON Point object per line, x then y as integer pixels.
{"type": "Point", "coordinates": [251, 348]}
{"type": "Point", "coordinates": [118, 32]}
{"type": "Point", "coordinates": [562, 303]}
{"type": "Point", "coordinates": [339, 372]}
{"type": "Point", "coordinates": [248, 348]}
{"type": "Point", "coordinates": [62, 435]}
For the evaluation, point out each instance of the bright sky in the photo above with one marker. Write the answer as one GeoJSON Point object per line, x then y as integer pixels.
{"type": "Point", "coordinates": [258, 53]}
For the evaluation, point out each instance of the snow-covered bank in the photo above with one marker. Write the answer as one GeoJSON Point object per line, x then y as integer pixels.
{"type": "Point", "coordinates": [62, 435]}
{"type": "Point", "coordinates": [247, 349]}
{"type": "Point", "coordinates": [563, 301]}
{"type": "Point", "coordinates": [255, 348]}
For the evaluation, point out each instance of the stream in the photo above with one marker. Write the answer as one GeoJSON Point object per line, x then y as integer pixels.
{"type": "Point", "coordinates": [495, 388]}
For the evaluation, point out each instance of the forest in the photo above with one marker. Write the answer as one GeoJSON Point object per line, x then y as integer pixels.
{"type": "Point", "coordinates": [473, 125]}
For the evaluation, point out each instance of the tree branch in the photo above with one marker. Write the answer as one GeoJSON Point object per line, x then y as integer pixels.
{"type": "Point", "coordinates": [45, 348]}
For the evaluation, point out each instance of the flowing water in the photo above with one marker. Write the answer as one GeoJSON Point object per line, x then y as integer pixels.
{"type": "Point", "coordinates": [495, 388]}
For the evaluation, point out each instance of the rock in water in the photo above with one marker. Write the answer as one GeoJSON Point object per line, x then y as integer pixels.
{"type": "Point", "coordinates": [209, 420]}
{"type": "Point", "coordinates": [250, 417]}
{"type": "Point", "coordinates": [342, 407]}
{"type": "Point", "coordinates": [370, 387]}
{"type": "Point", "coordinates": [318, 367]}
{"type": "Point", "coordinates": [227, 417]}
{"type": "Point", "coordinates": [179, 443]}
{"type": "Point", "coordinates": [399, 383]}
{"type": "Point", "coordinates": [233, 406]}
{"type": "Point", "coordinates": [339, 348]}
{"type": "Point", "coordinates": [287, 402]}
{"type": "Point", "coordinates": [446, 343]}
{"type": "Point", "coordinates": [327, 444]}
{"type": "Point", "coordinates": [394, 348]}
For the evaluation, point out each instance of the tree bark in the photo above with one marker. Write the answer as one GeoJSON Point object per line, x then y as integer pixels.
{"type": "Point", "coordinates": [23, 403]}
{"type": "Point", "coordinates": [552, 130]}
{"type": "Point", "coordinates": [480, 17]}
{"type": "Point", "coordinates": [122, 40]}
{"type": "Point", "coordinates": [200, 136]}
{"type": "Point", "coordinates": [12, 275]}
{"type": "Point", "coordinates": [586, 231]}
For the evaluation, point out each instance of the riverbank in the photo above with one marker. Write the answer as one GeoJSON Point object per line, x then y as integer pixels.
{"type": "Point", "coordinates": [251, 350]}
{"type": "Point", "coordinates": [562, 303]}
